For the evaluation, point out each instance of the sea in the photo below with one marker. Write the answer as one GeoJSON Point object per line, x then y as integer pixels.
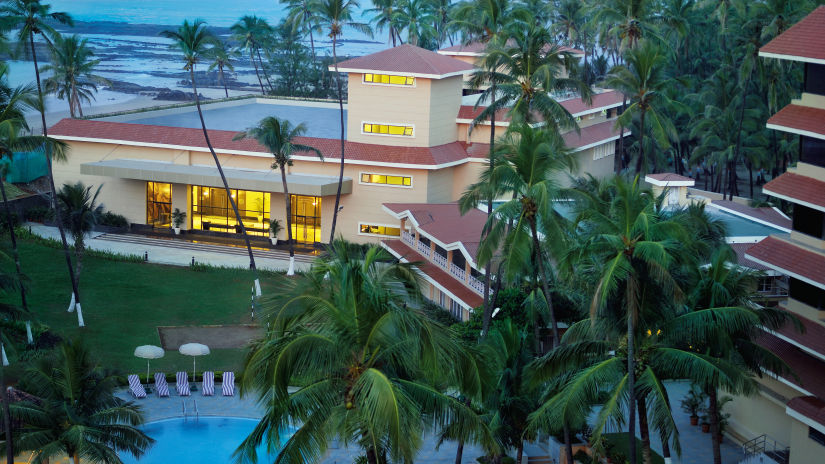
{"type": "Point", "coordinates": [124, 36]}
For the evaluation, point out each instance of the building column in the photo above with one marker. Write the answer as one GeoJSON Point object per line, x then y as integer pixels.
{"type": "Point", "coordinates": [180, 200]}
{"type": "Point", "coordinates": [467, 272]}
{"type": "Point", "coordinates": [449, 259]}
{"type": "Point", "coordinates": [403, 224]}
{"type": "Point", "coordinates": [432, 249]}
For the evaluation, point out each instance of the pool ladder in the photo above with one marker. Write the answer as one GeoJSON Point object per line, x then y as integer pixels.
{"type": "Point", "coordinates": [194, 412]}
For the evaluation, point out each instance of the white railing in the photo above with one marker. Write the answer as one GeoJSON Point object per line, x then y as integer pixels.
{"type": "Point", "coordinates": [440, 260]}
{"type": "Point", "coordinates": [457, 272]}
{"type": "Point", "coordinates": [476, 285]}
{"type": "Point", "coordinates": [424, 249]}
{"type": "Point", "coordinates": [408, 238]}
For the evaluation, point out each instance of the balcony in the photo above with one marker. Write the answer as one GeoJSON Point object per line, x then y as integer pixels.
{"type": "Point", "coordinates": [439, 260]}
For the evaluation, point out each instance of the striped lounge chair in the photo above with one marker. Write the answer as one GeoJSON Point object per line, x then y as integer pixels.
{"type": "Point", "coordinates": [182, 383]}
{"type": "Point", "coordinates": [135, 387]}
{"type": "Point", "coordinates": [208, 386]}
{"type": "Point", "coordinates": [161, 387]}
{"type": "Point", "coordinates": [228, 384]}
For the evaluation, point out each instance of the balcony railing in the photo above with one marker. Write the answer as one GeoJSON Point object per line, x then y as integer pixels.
{"type": "Point", "coordinates": [440, 260]}
{"type": "Point", "coordinates": [424, 249]}
{"type": "Point", "coordinates": [457, 272]}
{"type": "Point", "coordinates": [476, 285]}
{"type": "Point", "coordinates": [408, 238]}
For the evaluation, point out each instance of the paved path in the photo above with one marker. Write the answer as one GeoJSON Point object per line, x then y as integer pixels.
{"type": "Point", "coordinates": [181, 252]}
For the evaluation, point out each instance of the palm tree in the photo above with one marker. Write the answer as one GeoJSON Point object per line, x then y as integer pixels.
{"type": "Point", "coordinates": [8, 313]}
{"type": "Point", "coordinates": [384, 16]}
{"type": "Point", "coordinates": [250, 32]}
{"type": "Point", "coordinates": [643, 81]}
{"type": "Point", "coordinates": [193, 40]}
{"type": "Point", "coordinates": [76, 413]}
{"type": "Point", "coordinates": [334, 16]}
{"type": "Point", "coordinates": [81, 213]}
{"type": "Point", "coordinates": [221, 58]}
{"type": "Point", "coordinates": [301, 14]}
{"type": "Point", "coordinates": [72, 69]}
{"type": "Point", "coordinates": [352, 331]}
{"type": "Point", "coordinates": [280, 138]}
{"type": "Point", "coordinates": [628, 20]}
{"type": "Point", "coordinates": [32, 17]}
{"type": "Point", "coordinates": [418, 18]}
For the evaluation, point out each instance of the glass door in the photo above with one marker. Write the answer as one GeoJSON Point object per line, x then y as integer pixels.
{"type": "Point", "coordinates": [158, 204]}
{"type": "Point", "coordinates": [306, 219]}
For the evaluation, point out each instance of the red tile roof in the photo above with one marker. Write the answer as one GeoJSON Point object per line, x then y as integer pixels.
{"type": "Point", "coordinates": [809, 406]}
{"type": "Point", "coordinates": [789, 259]}
{"type": "Point", "coordinates": [740, 249]}
{"type": "Point", "coordinates": [813, 336]}
{"type": "Point", "coordinates": [574, 106]}
{"type": "Point", "coordinates": [223, 141]}
{"type": "Point", "coordinates": [807, 372]}
{"type": "Point", "coordinates": [445, 223]}
{"type": "Point", "coordinates": [591, 134]}
{"type": "Point", "coordinates": [446, 280]}
{"type": "Point", "coordinates": [477, 48]}
{"type": "Point", "coordinates": [407, 59]}
{"type": "Point", "coordinates": [801, 118]}
{"type": "Point", "coordinates": [798, 189]}
{"type": "Point", "coordinates": [765, 214]}
{"type": "Point", "coordinates": [804, 39]}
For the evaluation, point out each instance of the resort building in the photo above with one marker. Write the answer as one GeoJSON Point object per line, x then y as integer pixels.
{"type": "Point", "coordinates": [407, 141]}
{"type": "Point", "coordinates": [788, 413]}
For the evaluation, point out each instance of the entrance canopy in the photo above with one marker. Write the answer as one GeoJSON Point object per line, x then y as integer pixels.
{"type": "Point", "coordinates": [263, 181]}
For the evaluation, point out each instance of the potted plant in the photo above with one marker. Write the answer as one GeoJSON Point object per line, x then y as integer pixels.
{"type": "Point", "coordinates": [178, 217]}
{"type": "Point", "coordinates": [693, 402]}
{"type": "Point", "coordinates": [705, 422]}
{"type": "Point", "coordinates": [275, 228]}
{"type": "Point", "coordinates": [724, 417]}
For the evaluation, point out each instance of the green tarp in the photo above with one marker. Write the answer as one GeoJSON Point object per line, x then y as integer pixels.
{"type": "Point", "coordinates": [25, 167]}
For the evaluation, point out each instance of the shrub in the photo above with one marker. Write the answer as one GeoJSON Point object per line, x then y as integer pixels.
{"type": "Point", "coordinates": [4, 223]}
{"type": "Point", "coordinates": [113, 220]}
{"type": "Point", "coordinates": [39, 214]}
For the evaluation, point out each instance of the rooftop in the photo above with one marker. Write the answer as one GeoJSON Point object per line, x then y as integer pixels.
{"type": "Point", "coordinates": [669, 179]}
{"type": "Point", "coordinates": [574, 105]}
{"type": "Point", "coordinates": [808, 371]}
{"type": "Point", "coordinates": [769, 216]}
{"type": "Point", "coordinates": [791, 259]}
{"type": "Point", "coordinates": [798, 119]}
{"type": "Point", "coordinates": [804, 41]}
{"type": "Point", "coordinates": [812, 337]}
{"type": "Point", "coordinates": [407, 60]}
{"type": "Point", "coordinates": [592, 135]}
{"type": "Point", "coordinates": [796, 188]}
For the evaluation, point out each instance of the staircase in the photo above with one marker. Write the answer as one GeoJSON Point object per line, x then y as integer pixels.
{"type": "Point", "coordinates": [765, 450]}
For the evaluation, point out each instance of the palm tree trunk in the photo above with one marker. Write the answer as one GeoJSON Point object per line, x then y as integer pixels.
{"type": "Point", "coordinates": [631, 379]}
{"type": "Point", "coordinates": [15, 253]}
{"type": "Point", "coordinates": [713, 412]}
{"type": "Point", "coordinates": [487, 308]}
{"type": "Point", "coordinates": [75, 302]}
{"type": "Point", "coordinates": [459, 452]}
{"type": "Point", "coordinates": [258, 75]}
{"type": "Point", "coordinates": [223, 80]}
{"type": "Point", "coordinates": [263, 70]}
{"type": "Point", "coordinates": [644, 431]}
{"type": "Point", "coordinates": [226, 185]}
{"type": "Point", "coordinates": [545, 288]}
{"type": "Point", "coordinates": [520, 451]}
{"type": "Point", "coordinates": [7, 428]}
{"type": "Point", "coordinates": [76, 458]}
{"type": "Point", "coordinates": [291, 270]}
{"type": "Point", "coordinates": [568, 443]}
{"type": "Point", "coordinates": [371, 456]}
{"type": "Point", "coordinates": [641, 145]}
{"type": "Point", "coordinates": [312, 46]}
{"type": "Point", "coordinates": [343, 141]}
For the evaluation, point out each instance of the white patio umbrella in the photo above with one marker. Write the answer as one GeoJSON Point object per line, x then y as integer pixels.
{"type": "Point", "coordinates": [149, 352]}
{"type": "Point", "coordinates": [194, 350]}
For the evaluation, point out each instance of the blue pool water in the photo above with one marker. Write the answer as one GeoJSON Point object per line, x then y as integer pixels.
{"type": "Point", "coordinates": [210, 439]}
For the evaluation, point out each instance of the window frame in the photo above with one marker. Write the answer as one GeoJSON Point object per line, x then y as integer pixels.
{"type": "Point", "coordinates": [378, 184]}
{"type": "Point", "coordinates": [395, 86]}
{"type": "Point", "coordinates": [367, 234]}
{"type": "Point", "coordinates": [375, 123]}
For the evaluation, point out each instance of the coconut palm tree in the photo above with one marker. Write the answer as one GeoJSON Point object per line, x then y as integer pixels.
{"type": "Point", "coordinates": [352, 331]}
{"type": "Point", "coordinates": [334, 16]}
{"type": "Point", "coordinates": [221, 58]}
{"type": "Point", "coordinates": [301, 15]}
{"type": "Point", "coordinates": [76, 413]}
{"type": "Point", "coordinates": [31, 17]}
{"type": "Point", "coordinates": [72, 70]}
{"type": "Point", "coordinates": [418, 18]}
{"type": "Point", "coordinates": [384, 16]}
{"type": "Point", "coordinates": [8, 313]}
{"type": "Point", "coordinates": [194, 40]}
{"type": "Point", "coordinates": [250, 32]}
{"type": "Point", "coordinates": [281, 139]}
{"type": "Point", "coordinates": [643, 81]}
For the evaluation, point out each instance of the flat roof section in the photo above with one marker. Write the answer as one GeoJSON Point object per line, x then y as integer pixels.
{"type": "Point", "coordinates": [407, 60]}
{"type": "Point", "coordinates": [262, 181]}
{"type": "Point", "coordinates": [804, 41]}
{"type": "Point", "coordinates": [791, 259]}
{"type": "Point", "coordinates": [800, 120]}
{"type": "Point", "coordinates": [796, 188]}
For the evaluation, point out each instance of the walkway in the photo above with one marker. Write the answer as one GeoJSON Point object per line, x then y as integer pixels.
{"type": "Point", "coordinates": [181, 252]}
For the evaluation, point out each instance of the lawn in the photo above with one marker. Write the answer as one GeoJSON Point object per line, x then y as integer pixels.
{"type": "Point", "coordinates": [619, 443]}
{"type": "Point", "coordinates": [124, 302]}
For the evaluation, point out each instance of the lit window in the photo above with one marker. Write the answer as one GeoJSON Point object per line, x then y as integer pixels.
{"type": "Point", "coordinates": [386, 180]}
{"type": "Point", "coordinates": [380, 230]}
{"type": "Point", "coordinates": [387, 129]}
{"type": "Point", "coordinates": [370, 78]}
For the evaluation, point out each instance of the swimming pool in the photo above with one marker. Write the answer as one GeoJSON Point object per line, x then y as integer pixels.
{"type": "Point", "coordinates": [209, 439]}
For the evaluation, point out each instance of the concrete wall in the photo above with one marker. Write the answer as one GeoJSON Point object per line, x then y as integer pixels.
{"type": "Point", "coordinates": [762, 413]}
{"type": "Point", "coordinates": [445, 101]}
{"type": "Point", "coordinates": [803, 449]}
{"type": "Point", "coordinates": [602, 167]}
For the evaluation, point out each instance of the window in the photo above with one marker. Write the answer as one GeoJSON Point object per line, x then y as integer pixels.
{"type": "Point", "coordinates": [387, 129]}
{"type": "Point", "coordinates": [815, 78]}
{"type": "Point", "coordinates": [604, 150]}
{"type": "Point", "coordinates": [212, 210]}
{"type": "Point", "coordinates": [384, 179]}
{"type": "Point", "coordinates": [158, 204]}
{"type": "Point", "coordinates": [380, 230]}
{"type": "Point", "coordinates": [456, 310]}
{"type": "Point", "coordinates": [809, 221]}
{"type": "Point", "coordinates": [388, 80]}
{"type": "Point", "coordinates": [806, 293]}
{"type": "Point", "coordinates": [812, 151]}
{"type": "Point", "coordinates": [816, 436]}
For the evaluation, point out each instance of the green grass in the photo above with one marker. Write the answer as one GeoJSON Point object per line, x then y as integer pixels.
{"type": "Point", "coordinates": [124, 302]}
{"type": "Point", "coordinates": [619, 443]}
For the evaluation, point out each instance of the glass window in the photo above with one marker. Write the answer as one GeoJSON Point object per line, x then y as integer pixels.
{"type": "Point", "coordinates": [809, 221]}
{"type": "Point", "coordinates": [370, 78]}
{"type": "Point", "coordinates": [812, 151]}
{"type": "Point", "coordinates": [380, 230]}
{"type": "Point", "coordinates": [815, 78]}
{"type": "Point", "coordinates": [386, 179]}
{"type": "Point", "coordinates": [212, 211]}
{"type": "Point", "coordinates": [387, 129]}
{"type": "Point", "coordinates": [306, 218]}
{"type": "Point", "coordinates": [806, 293]}
{"type": "Point", "coordinates": [158, 204]}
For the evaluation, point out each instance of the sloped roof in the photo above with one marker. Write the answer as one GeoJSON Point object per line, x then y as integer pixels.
{"type": "Point", "coordinates": [804, 41]}
{"type": "Point", "coordinates": [222, 141]}
{"type": "Point", "coordinates": [445, 223]}
{"type": "Point", "coordinates": [791, 259]}
{"type": "Point", "coordinates": [809, 406]}
{"type": "Point", "coordinates": [797, 188]}
{"type": "Point", "coordinates": [741, 249]}
{"type": "Point", "coordinates": [809, 370]}
{"type": "Point", "coordinates": [592, 135]}
{"type": "Point", "coordinates": [812, 337]}
{"type": "Point", "coordinates": [408, 60]}
{"type": "Point", "coordinates": [798, 119]}
{"type": "Point", "coordinates": [763, 214]}
{"type": "Point", "coordinates": [669, 179]}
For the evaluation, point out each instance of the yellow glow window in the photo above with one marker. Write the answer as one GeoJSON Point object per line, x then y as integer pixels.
{"type": "Point", "coordinates": [370, 78]}
{"type": "Point", "coordinates": [387, 129]}
{"type": "Point", "coordinates": [386, 180]}
{"type": "Point", "coordinates": [380, 230]}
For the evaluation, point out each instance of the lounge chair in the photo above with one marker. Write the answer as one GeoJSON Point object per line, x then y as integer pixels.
{"type": "Point", "coordinates": [228, 384]}
{"type": "Point", "coordinates": [135, 387]}
{"type": "Point", "coordinates": [161, 387]}
{"type": "Point", "coordinates": [208, 385]}
{"type": "Point", "coordinates": [182, 383]}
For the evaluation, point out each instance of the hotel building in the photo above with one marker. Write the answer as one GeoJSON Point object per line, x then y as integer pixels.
{"type": "Point", "coordinates": [785, 421]}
